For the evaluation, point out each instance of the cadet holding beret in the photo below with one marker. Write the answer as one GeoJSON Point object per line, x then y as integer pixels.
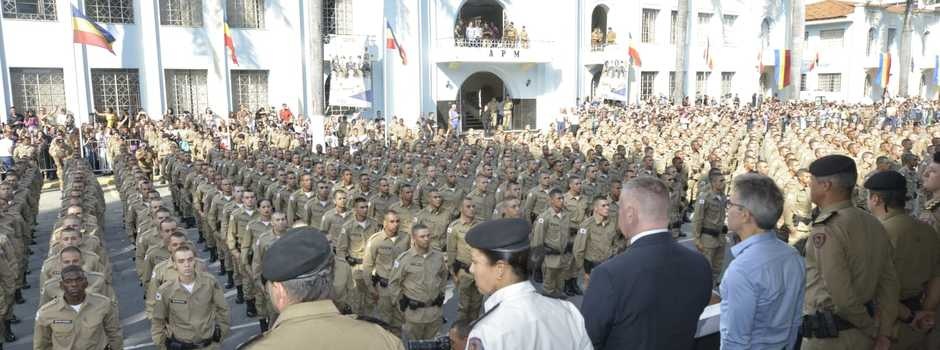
{"type": "Point", "coordinates": [516, 316]}
{"type": "Point", "coordinates": [298, 268]}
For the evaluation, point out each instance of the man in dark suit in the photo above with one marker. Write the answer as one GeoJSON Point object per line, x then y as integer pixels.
{"type": "Point", "coordinates": [651, 295]}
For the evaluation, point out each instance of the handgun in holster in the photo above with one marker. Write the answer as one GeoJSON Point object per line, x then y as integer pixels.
{"type": "Point", "coordinates": [820, 325]}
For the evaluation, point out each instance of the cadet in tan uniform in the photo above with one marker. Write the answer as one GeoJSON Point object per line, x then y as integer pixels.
{"type": "Point", "coordinates": [239, 244]}
{"type": "Point", "coordinates": [381, 250]}
{"type": "Point", "coordinates": [190, 311]}
{"type": "Point", "coordinates": [419, 276]}
{"type": "Point", "coordinates": [931, 215]}
{"type": "Point", "coordinates": [265, 308]}
{"type": "Point", "coordinates": [595, 240]}
{"type": "Point", "coordinates": [551, 237]}
{"type": "Point", "coordinates": [332, 222]}
{"type": "Point", "coordinates": [458, 259]}
{"type": "Point", "coordinates": [482, 199]}
{"type": "Point", "coordinates": [301, 258]}
{"type": "Point", "coordinates": [406, 207]}
{"type": "Point", "coordinates": [708, 223]}
{"type": "Point", "coordinates": [435, 217]}
{"type": "Point", "coordinates": [351, 246]}
{"type": "Point", "coordinates": [576, 205]}
{"type": "Point", "coordinates": [916, 257]}
{"type": "Point", "coordinates": [849, 267]}
{"type": "Point", "coordinates": [77, 320]}
{"type": "Point", "coordinates": [536, 201]}
{"type": "Point", "coordinates": [315, 209]}
{"type": "Point", "coordinates": [799, 210]}
{"type": "Point", "coordinates": [379, 203]}
{"type": "Point", "coordinates": [90, 261]}
{"type": "Point", "coordinates": [295, 203]}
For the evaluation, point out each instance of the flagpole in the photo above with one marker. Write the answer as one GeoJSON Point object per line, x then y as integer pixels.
{"type": "Point", "coordinates": [385, 94]}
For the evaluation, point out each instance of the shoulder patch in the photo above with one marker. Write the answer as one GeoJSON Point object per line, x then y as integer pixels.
{"type": "Point", "coordinates": [822, 218]}
{"type": "Point", "coordinates": [541, 220]}
{"type": "Point", "coordinates": [582, 231]}
{"type": "Point", "coordinates": [475, 344]}
{"type": "Point", "coordinates": [701, 201]}
{"type": "Point", "coordinates": [819, 239]}
{"type": "Point", "coordinates": [157, 296]}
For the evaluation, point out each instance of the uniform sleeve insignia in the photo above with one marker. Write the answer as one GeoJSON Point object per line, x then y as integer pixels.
{"type": "Point", "coordinates": [541, 220]}
{"type": "Point", "coordinates": [701, 201]}
{"type": "Point", "coordinates": [582, 231]}
{"type": "Point", "coordinates": [819, 239]}
{"type": "Point", "coordinates": [158, 296]}
{"type": "Point", "coordinates": [475, 344]}
{"type": "Point", "coordinates": [450, 229]}
{"type": "Point", "coordinates": [415, 219]}
{"type": "Point", "coordinates": [395, 266]}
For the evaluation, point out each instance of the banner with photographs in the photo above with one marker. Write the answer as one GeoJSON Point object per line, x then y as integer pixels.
{"type": "Point", "coordinates": [613, 82]}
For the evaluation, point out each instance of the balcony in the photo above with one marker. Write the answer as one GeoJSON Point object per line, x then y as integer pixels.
{"type": "Point", "coordinates": [604, 53]}
{"type": "Point", "coordinates": [449, 50]}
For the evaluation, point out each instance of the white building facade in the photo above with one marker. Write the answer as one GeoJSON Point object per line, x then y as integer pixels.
{"type": "Point", "coordinates": [171, 53]}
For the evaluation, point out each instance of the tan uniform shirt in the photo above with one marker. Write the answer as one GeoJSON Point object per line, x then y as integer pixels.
{"type": "Point", "coordinates": [353, 237]}
{"type": "Point", "coordinates": [189, 316]}
{"type": "Point", "coordinates": [94, 326]}
{"type": "Point", "coordinates": [595, 240]}
{"type": "Point", "coordinates": [709, 215]}
{"type": "Point", "coordinates": [422, 278]}
{"type": "Point", "coordinates": [551, 231]}
{"type": "Point", "coordinates": [436, 220]}
{"type": "Point", "coordinates": [381, 251]}
{"type": "Point", "coordinates": [457, 247]}
{"type": "Point", "coordinates": [849, 263]}
{"type": "Point", "coordinates": [319, 322]}
{"type": "Point", "coordinates": [406, 215]}
{"type": "Point", "coordinates": [96, 284]}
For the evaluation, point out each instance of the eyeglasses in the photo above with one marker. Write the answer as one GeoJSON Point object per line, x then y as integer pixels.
{"type": "Point", "coordinates": [733, 204]}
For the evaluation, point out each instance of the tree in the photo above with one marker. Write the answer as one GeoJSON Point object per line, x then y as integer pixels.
{"type": "Point", "coordinates": [905, 49]}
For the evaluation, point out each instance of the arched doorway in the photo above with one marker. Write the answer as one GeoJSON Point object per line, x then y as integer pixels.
{"type": "Point", "coordinates": [598, 24]}
{"type": "Point", "coordinates": [487, 15]}
{"type": "Point", "coordinates": [478, 90]}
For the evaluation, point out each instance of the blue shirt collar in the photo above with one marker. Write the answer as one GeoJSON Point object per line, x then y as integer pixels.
{"type": "Point", "coordinates": [739, 248]}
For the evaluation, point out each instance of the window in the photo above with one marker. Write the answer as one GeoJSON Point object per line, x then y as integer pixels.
{"type": "Point", "coordinates": [704, 20]}
{"type": "Point", "coordinates": [701, 83]}
{"type": "Point", "coordinates": [186, 90]}
{"type": "Point", "coordinates": [830, 82]}
{"type": "Point", "coordinates": [867, 91]}
{"type": "Point", "coordinates": [803, 82]}
{"type": "Point", "coordinates": [337, 16]}
{"type": "Point", "coordinates": [924, 42]}
{"type": "Point", "coordinates": [872, 35]}
{"type": "Point", "coordinates": [647, 80]}
{"type": "Point", "coordinates": [116, 88]}
{"type": "Point", "coordinates": [892, 33]}
{"type": "Point", "coordinates": [648, 34]}
{"type": "Point", "coordinates": [765, 27]}
{"type": "Point", "coordinates": [727, 24]}
{"type": "Point", "coordinates": [110, 11]}
{"type": "Point", "coordinates": [672, 85]}
{"type": "Point", "coordinates": [250, 88]}
{"type": "Point", "coordinates": [37, 87]}
{"type": "Point", "coordinates": [674, 28]}
{"type": "Point", "coordinates": [245, 13]}
{"type": "Point", "coordinates": [831, 39]}
{"type": "Point", "coordinates": [186, 13]}
{"type": "Point", "coordinates": [727, 81]}
{"type": "Point", "coordinates": [43, 10]}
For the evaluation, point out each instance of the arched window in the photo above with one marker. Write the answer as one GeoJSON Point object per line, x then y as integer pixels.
{"type": "Point", "coordinates": [872, 35]}
{"type": "Point", "coordinates": [765, 27]}
{"type": "Point", "coordinates": [598, 34]}
{"type": "Point", "coordinates": [481, 23]}
{"type": "Point", "coordinates": [924, 42]}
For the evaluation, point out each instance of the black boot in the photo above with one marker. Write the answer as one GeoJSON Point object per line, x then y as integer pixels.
{"type": "Point", "coordinates": [575, 287]}
{"type": "Point", "coordinates": [251, 310]}
{"type": "Point", "coordinates": [26, 284]}
{"type": "Point", "coordinates": [229, 283]}
{"type": "Point", "coordinates": [19, 297]}
{"type": "Point", "coordinates": [213, 257]}
{"type": "Point", "coordinates": [239, 295]}
{"type": "Point", "coordinates": [263, 323]}
{"type": "Point", "coordinates": [14, 319]}
{"type": "Point", "coordinates": [567, 289]}
{"type": "Point", "coordinates": [10, 337]}
{"type": "Point", "coordinates": [202, 239]}
{"type": "Point", "coordinates": [222, 268]}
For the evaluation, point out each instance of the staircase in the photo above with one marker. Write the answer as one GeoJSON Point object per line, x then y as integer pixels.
{"type": "Point", "coordinates": [472, 122]}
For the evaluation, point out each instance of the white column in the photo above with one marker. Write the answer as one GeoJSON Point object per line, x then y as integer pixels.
{"type": "Point", "coordinates": [76, 74]}
{"type": "Point", "coordinates": [151, 67]}
{"type": "Point", "coordinates": [5, 87]}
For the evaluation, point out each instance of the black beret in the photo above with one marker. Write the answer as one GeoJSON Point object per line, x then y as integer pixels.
{"type": "Point", "coordinates": [299, 251]}
{"type": "Point", "coordinates": [510, 235]}
{"type": "Point", "coordinates": [831, 165]}
{"type": "Point", "coordinates": [889, 180]}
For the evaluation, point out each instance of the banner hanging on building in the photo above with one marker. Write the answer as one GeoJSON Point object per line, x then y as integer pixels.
{"type": "Point", "coordinates": [613, 82]}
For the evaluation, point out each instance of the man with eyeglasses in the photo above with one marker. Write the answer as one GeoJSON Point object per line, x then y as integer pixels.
{"type": "Point", "coordinates": [708, 222]}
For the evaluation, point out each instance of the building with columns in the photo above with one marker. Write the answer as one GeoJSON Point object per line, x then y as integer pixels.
{"type": "Point", "coordinates": [171, 54]}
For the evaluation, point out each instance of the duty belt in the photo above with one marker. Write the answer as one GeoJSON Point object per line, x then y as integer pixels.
{"type": "Point", "coordinates": [379, 281]}
{"type": "Point", "coordinates": [714, 232]}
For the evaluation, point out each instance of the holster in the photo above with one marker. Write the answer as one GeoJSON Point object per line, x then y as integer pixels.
{"type": "Point", "coordinates": [711, 232]}
{"type": "Point", "coordinates": [913, 304]}
{"type": "Point", "coordinates": [379, 281]}
{"type": "Point", "coordinates": [589, 265]}
{"type": "Point", "coordinates": [353, 261]}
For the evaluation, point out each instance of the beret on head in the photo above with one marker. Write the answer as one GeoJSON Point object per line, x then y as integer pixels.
{"type": "Point", "coordinates": [299, 251]}
{"type": "Point", "coordinates": [889, 180]}
{"type": "Point", "coordinates": [509, 235]}
{"type": "Point", "coordinates": [831, 165]}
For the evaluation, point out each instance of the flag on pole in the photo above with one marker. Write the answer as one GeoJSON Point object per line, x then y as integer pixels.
{"type": "Point", "coordinates": [229, 43]}
{"type": "Point", "coordinates": [392, 43]}
{"type": "Point", "coordinates": [884, 67]}
{"type": "Point", "coordinates": [709, 60]}
{"type": "Point", "coordinates": [86, 31]}
{"type": "Point", "coordinates": [633, 53]}
{"type": "Point", "coordinates": [782, 68]}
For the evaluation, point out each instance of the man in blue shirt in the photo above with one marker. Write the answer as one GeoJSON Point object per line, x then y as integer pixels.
{"type": "Point", "coordinates": [762, 289]}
